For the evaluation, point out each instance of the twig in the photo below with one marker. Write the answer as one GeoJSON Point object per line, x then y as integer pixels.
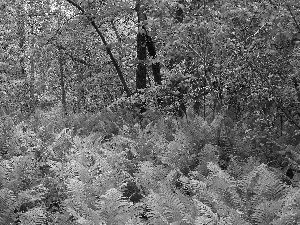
{"type": "Point", "coordinates": [290, 117]}
{"type": "Point", "coordinates": [293, 16]}
{"type": "Point", "coordinates": [197, 53]}
{"type": "Point", "coordinates": [253, 35]}
{"type": "Point", "coordinates": [77, 59]}
{"type": "Point", "coordinates": [58, 31]}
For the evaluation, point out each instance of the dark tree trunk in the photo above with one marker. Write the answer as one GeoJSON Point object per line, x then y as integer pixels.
{"type": "Point", "coordinates": [155, 65]}
{"type": "Point", "coordinates": [21, 32]}
{"type": "Point", "coordinates": [144, 42]}
{"type": "Point", "coordinates": [297, 88]}
{"type": "Point", "coordinates": [141, 71]}
{"type": "Point", "coordinates": [81, 92]}
{"type": "Point", "coordinates": [179, 12]}
{"type": "Point", "coordinates": [156, 72]}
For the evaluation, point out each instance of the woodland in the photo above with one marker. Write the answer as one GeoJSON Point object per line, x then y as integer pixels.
{"type": "Point", "coordinates": [159, 112]}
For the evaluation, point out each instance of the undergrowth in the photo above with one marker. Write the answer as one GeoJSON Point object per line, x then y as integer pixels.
{"type": "Point", "coordinates": [106, 169]}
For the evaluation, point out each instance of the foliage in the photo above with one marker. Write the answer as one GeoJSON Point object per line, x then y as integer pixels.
{"type": "Point", "coordinates": [215, 142]}
{"type": "Point", "coordinates": [167, 173]}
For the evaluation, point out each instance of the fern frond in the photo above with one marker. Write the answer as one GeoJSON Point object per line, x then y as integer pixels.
{"type": "Point", "coordinates": [265, 212]}
{"type": "Point", "coordinates": [174, 209]}
{"type": "Point", "coordinates": [156, 209]}
{"type": "Point", "coordinates": [113, 208]}
{"type": "Point", "coordinates": [6, 168]}
{"type": "Point", "coordinates": [149, 175]}
{"type": "Point", "coordinates": [291, 217]}
{"type": "Point", "coordinates": [290, 211]}
{"type": "Point", "coordinates": [169, 206]}
{"type": "Point", "coordinates": [234, 217]}
{"type": "Point", "coordinates": [292, 199]}
{"type": "Point", "coordinates": [134, 221]}
{"type": "Point", "coordinates": [35, 216]}
{"type": "Point", "coordinates": [7, 205]}
{"type": "Point", "coordinates": [225, 185]}
{"type": "Point", "coordinates": [197, 186]}
{"type": "Point", "coordinates": [77, 193]}
{"type": "Point", "coordinates": [205, 214]}
{"type": "Point", "coordinates": [270, 186]}
{"type": "Point", "coordinates": [263, 182]}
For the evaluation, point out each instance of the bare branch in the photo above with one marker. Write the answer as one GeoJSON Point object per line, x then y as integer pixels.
{"type": "Point", "coordinates": [58, 31]}
{"type": "Point", "coordinates": [108, 50]}
{"type": "Point", "coordinates": [75, 58]}
{"type": "Point", "coordinates": [294, 18]}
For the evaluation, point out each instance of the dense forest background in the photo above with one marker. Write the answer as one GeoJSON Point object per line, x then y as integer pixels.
{"type": "Point", "coordinates": [137, 112]}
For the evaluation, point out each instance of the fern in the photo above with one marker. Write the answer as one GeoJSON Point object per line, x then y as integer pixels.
{"type": "Point", "coordinates": [7, 205]}
{"type": "Point", "coordinates": [35, 216]}
{"type": "Point", "coordinates": [150, 175]}
{"type": "Point", "coordinates": [112, 208]}
{"type": "Point", "coordinates": [7, 142]}
{"type": "Point", "coordinates": [94, 180]}
{"type": "Point", "coordinates": [175, 165]}
{"type": "Point", "coordinates": [174, 208]}
{"type": "Point", "coordinates": [262, 182]}
{"type": "Point", "coordinates": [291, 217]}
{"type": "Point", "coordinates": [234, 217]}
{"type": "Point", "coordinates": [222, 183]}
{"type": "Point", "coordinates": [205, 214]}
{"type": "Point", "coordinates": [168, 206]}
{"type": "Point", "coordinates": [290, 209]}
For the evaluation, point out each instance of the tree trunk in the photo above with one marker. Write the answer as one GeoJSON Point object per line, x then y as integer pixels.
{"type": "Point", "coordinates": [144, 42]}
{"type": "Point", "coordinates": [21, 32]}
{"type": "Point", "coordinates": [141, 71]}
{"type": "Point", "coordinates": [155, 65]}
{"type": "Point", "coordinates": [32, 100]}
{"type": "Point", "coordinates": [81, 100]}
{"type": "Point", "coordinates": [62, 82]}
{"type": "Point", "coordinates": [297, 88]}
{"type": "Point", "coordinates": [179, 11]}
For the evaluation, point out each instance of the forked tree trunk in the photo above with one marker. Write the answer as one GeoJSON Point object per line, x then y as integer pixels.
{"type": "Point", "coordinates": [144, 42]}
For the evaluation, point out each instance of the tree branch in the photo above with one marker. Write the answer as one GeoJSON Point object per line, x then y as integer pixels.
{"type": "Point", "coordinates": [108, 50]}
{"type": "Point", "coordinates": [294, 18]}
{"type": "Point", "coordinates": [58, 31]}
{"type": "Point", "coordinates": [116, 31]}
{"type": "Point", "coordinates": [290, 118]}
{"type": "Point", "coordinates": [76, 59]}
